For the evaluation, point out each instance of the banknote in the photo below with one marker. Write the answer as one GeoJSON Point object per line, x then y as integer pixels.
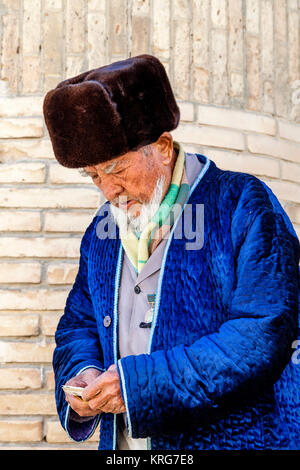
{"type": "Point", "coordinates": [77, 391]}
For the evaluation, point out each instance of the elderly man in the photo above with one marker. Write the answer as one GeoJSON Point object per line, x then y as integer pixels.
{"type": "Point", "coordinates": [177, 343]}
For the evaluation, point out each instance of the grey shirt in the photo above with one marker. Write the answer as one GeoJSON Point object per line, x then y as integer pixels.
{"type": "Point", "coordinates": [135, 304]}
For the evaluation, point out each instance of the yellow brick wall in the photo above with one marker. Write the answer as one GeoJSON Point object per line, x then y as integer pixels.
{"type": "Point", "coordinates": [235, 69]}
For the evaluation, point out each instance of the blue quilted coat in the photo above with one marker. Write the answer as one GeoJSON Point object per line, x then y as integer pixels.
{"type": "Point", "coordinates": [222, 369]}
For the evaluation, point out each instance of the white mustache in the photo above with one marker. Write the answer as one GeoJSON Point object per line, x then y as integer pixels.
{"type": "Point", "coordinates": [123, 200]}
{"type": "Point", "coordinates": [127, 221]}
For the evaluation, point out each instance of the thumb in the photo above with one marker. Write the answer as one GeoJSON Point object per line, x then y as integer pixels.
{"type": "Point", "coordinates": [76, 382]}
{"type": "Point", "coordinates": [93, 388]}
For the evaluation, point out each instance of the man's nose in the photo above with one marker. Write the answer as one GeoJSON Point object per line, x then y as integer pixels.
{"type": "Point", "coordinates": [111, 188]}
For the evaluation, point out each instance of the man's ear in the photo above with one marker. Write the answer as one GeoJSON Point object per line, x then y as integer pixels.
{"type": "Point", "coordinates": [164, 146]}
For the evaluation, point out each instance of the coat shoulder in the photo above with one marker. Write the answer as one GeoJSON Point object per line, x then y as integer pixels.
{"type": "Point", "coordinates": [228, 188]}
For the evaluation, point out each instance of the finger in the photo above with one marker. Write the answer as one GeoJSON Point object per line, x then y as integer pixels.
{"type": "Point", "coordinates": [77, 404]}
{"type": "Point", "coordinates": [94, 388]}
{"type": "Point", "coordinates": [115, 406]}
{"type": "Point", "coordinates": [106, 397]}
{"type": "Point", "coordinates": [108, 378]}
{"type": "Point", "coordinates": [75, 401]}
{"type": "Point", "coordinates": [76, 382]}
{"type": "Point", "coordinates": [98, 402]}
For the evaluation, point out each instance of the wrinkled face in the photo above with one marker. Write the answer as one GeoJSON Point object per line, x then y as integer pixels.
{"type": "Point", "coordinates": [128, 181]}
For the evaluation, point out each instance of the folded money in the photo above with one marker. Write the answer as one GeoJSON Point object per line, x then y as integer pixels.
{"type": "Point", "coordinates": [76, 391]}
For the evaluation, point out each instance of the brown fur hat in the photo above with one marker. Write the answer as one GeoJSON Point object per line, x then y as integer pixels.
{"type": "Point", "coordinates": [107, 112]}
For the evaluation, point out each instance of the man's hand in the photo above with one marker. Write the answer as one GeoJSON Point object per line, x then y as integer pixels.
{"type": "Point", "coordinates": [104, 393]}
{"type": "Point", "coordinates": [87, 377]}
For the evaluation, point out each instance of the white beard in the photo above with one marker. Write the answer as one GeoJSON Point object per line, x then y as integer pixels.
{"type": "Point", "coordinates": [126, 221]}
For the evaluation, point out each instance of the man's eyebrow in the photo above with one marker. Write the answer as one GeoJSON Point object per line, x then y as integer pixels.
{"type": "Point", "coordinates": [109, 168]}
{"type": "Point", "coordinates": [83, 172]}
{"type": "Point", "coordinates": [113, 165]}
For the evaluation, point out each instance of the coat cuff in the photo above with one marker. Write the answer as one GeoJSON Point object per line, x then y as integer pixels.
{"type": "Point", "coordinates": [124, 396]}
{"type": "Point", "coordinates": [80, 432]}
{"type": "Point", "coordinates": [80, 428]}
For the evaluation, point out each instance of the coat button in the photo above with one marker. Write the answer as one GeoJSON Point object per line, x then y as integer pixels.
{"type": "Point", "coordinates": [137, 289]}
{"type": "Point", "coordinates": [106, 321]}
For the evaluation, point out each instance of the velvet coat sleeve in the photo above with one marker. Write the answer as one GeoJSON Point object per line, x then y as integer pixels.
{"type": "Point", "coordinates": [170, 390]}
{"type": "Point", "coordinates": [77, 344]}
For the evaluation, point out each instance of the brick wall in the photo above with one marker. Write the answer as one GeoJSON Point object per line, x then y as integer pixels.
{"type": "Point", "coordinates": [235, 69]}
